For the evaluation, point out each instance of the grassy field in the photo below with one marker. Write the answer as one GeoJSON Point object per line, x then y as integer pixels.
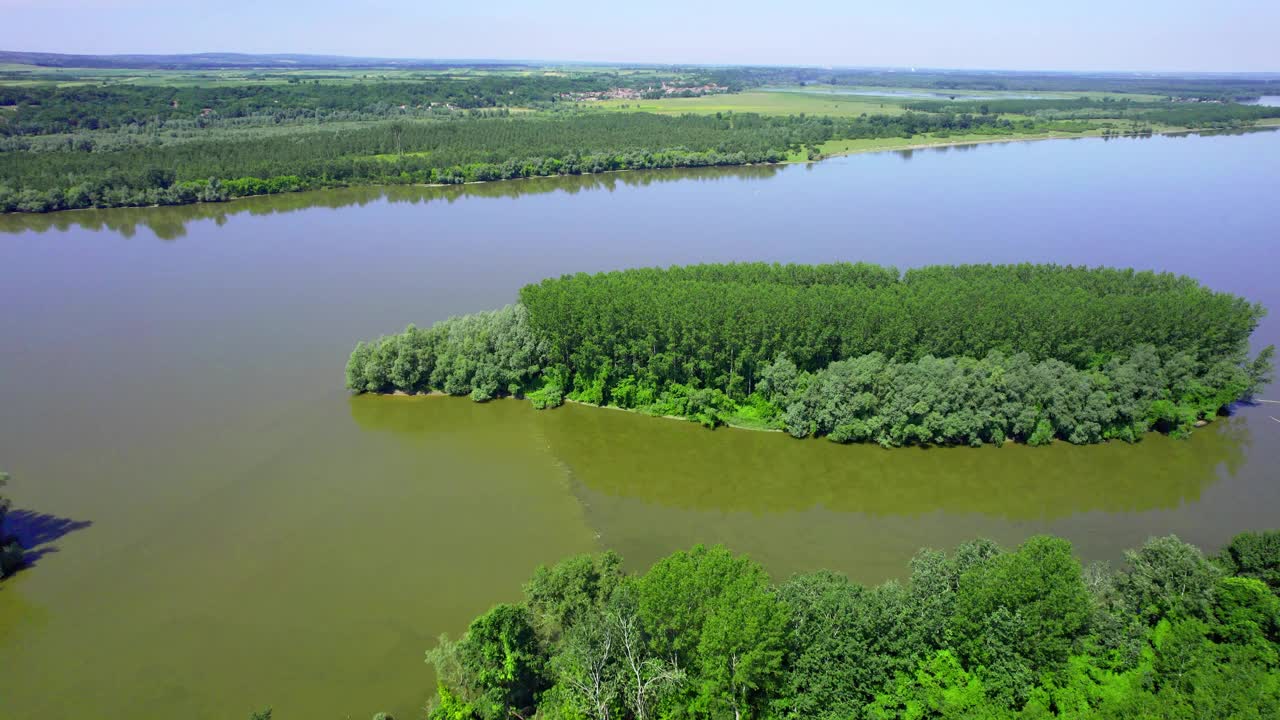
{"type": "Point", "coordinates": [905, 94]}
{"type": "Point", "coordinates": [813, 100]}
{"type": "Point", "coordinates": [762, 101]}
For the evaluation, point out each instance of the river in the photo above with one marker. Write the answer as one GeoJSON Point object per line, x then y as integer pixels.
{"type": "Point", "coordinates": [223, 528]}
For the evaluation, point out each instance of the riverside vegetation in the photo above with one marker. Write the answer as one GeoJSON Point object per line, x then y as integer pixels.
{"type": "Point", "coordinates": [854, 352]}
{"type": "Point", "coordinates": [79, 139]}
{"type": "Point", "coordinates": [981, 633]}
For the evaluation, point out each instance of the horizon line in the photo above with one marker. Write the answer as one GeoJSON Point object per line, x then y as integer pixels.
{"type": "Point", "coordinates": [629, 63]}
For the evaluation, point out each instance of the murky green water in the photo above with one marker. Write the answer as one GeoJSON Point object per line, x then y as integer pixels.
{"type": "Point", "coordinates": [226, 529]}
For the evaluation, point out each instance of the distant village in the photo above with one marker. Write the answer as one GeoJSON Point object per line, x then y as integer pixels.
{"type": "Point", "coordinates": [649, 93]}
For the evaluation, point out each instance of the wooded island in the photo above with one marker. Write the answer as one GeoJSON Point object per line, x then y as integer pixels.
{"type": "Point", "coordinates": [855, 352]}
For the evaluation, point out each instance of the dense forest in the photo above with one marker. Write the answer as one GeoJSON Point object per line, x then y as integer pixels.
{"type": "Point", "coordinates": [11, 554]}
{"type": "Point", "coordinates": [446, 151]}
{"type": "Point", "coordinates": [108, 170]}
{"type": "Point", "coordinates": [855, 352]}
{"type": "Point", "coordinates": [44, 109]}
{"type": "Point", "coordinates": [983, 632]}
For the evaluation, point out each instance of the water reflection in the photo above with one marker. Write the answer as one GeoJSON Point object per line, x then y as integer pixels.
{"type": "Point", "coordinates": [680, 465]}
{"type": "Point", "coordinates": [649, 486]}
{"type": "Point", "coordinates": [961, 147]}
{"type": "Point", "coordinates": [171, 223]}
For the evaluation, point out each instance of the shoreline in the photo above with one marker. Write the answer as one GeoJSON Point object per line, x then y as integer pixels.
{"type": "Point", "coordinates": [437, 393]}
{"type": "Point", "coordinates": [1262, 126]}
{"type": "Point", "coordinates": [1199, 424]}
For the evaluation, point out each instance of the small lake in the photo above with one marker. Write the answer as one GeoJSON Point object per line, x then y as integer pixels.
{"type": "Point", "coordinates": [1265, 100]}
{"type": "Point", "coordinates": [227, 529]}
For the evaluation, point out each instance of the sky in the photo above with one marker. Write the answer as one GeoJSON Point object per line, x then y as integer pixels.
{"type": "Point", "coordinates": [1132, 35]}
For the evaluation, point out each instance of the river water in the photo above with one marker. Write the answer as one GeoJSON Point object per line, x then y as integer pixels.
{"type": "Point", "coordinates": [223, 528]}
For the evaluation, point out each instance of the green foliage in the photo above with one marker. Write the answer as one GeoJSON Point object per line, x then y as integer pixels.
{"type": "Point", "coordinates": [501, 662]}
{"type": "Point", "coordinates": [1261, 370]}
{"type": "Point", "coordinates": [846, 643]}
{"type": "Point", "coordinates": [942, 355]}
{"type": "Point", "coordinates": [145, 168]}
{"type": "Point", "coordinates": [1246, 612]}
{"type": "Point", "coordinates": [1168, 578]}
{"type": "Point", "coordinates": [1254, 555]}
{"type": "Point", "coordinates": [982, 633]}
{"type": "Point", "coordinates": [939, 687]}
{"type": "Point", "coordinates": [450, 707]}
{"type": "Point", "coordinates": [1192, 115]}
{"type": "Point", "coordinates": [483, 355]}
{"type": "Point", "coordinates": [578, 587]}
{"type": "Point", "coordinates": [1020, 615]}
{"type": "Point", "coordinates": [40, 110]}
{"type": "Point", "coordinates": [716, 615]}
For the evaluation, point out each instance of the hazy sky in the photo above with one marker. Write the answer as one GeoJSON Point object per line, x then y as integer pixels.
{"type": "Point", "coordinates": [1225, 35]}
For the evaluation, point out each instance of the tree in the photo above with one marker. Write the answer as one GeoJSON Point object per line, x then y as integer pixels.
{"type": "Point", "coordinates": [11, 553]}
{"type": "Point", "coordinates": [4, 501]}
{"type": "Point", "coordinates": [500, 663]}
{"type": "Point", "coordinates": [1261, 370]}
{"type": "Point", "coordinates": [587, 666]}
{"type": "Point", "coordinates": [1033, 601]}
{"type": "Point", "coordinates": [742, 648]}
{"type": "Point", "coordinates": [716, 616]}
{"type": "Point", "coordinates": [939, 688]}
{"type": "Point", "coordinates": [845, 644]}
{"type": "Point", "coordinates": [648, 679]}
{"type": "Point", "coordinates": [572, 590]}
{"type": "Point", "coordinates": [1254, 555]}
{"type": "Point", "coordinates": [1168, 578]}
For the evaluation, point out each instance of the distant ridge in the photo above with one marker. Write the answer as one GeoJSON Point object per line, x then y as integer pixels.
{"type": "Point", "coordinates": [303, 61]}
{"type": "Point", "coordinates": [223, 61]}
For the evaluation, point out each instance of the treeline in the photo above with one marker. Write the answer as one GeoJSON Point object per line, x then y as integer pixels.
{"type": "Point", "coordinates": [483, 355]}
{"type": "Point", "coordinates": [50, 109]}
{"type": "Point", "coordinates": [967, 401]}
{"type": "Point", "coordinates": [718, 328]}
{"type": "Point", "coordinates": [11, 553]}
{"type": "Point", "coordinates": [1183, 114]}
{"type": "Point", "coordinates": [392, 153]}
{"type": "Point", "coordinates": [981, 633]}
{"type": "Point", "coordinates": [169, 222]}
{"type": "Point", "coordinates": [248, 162]}
{"type": "Point", "coordinates": [941, 355]}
